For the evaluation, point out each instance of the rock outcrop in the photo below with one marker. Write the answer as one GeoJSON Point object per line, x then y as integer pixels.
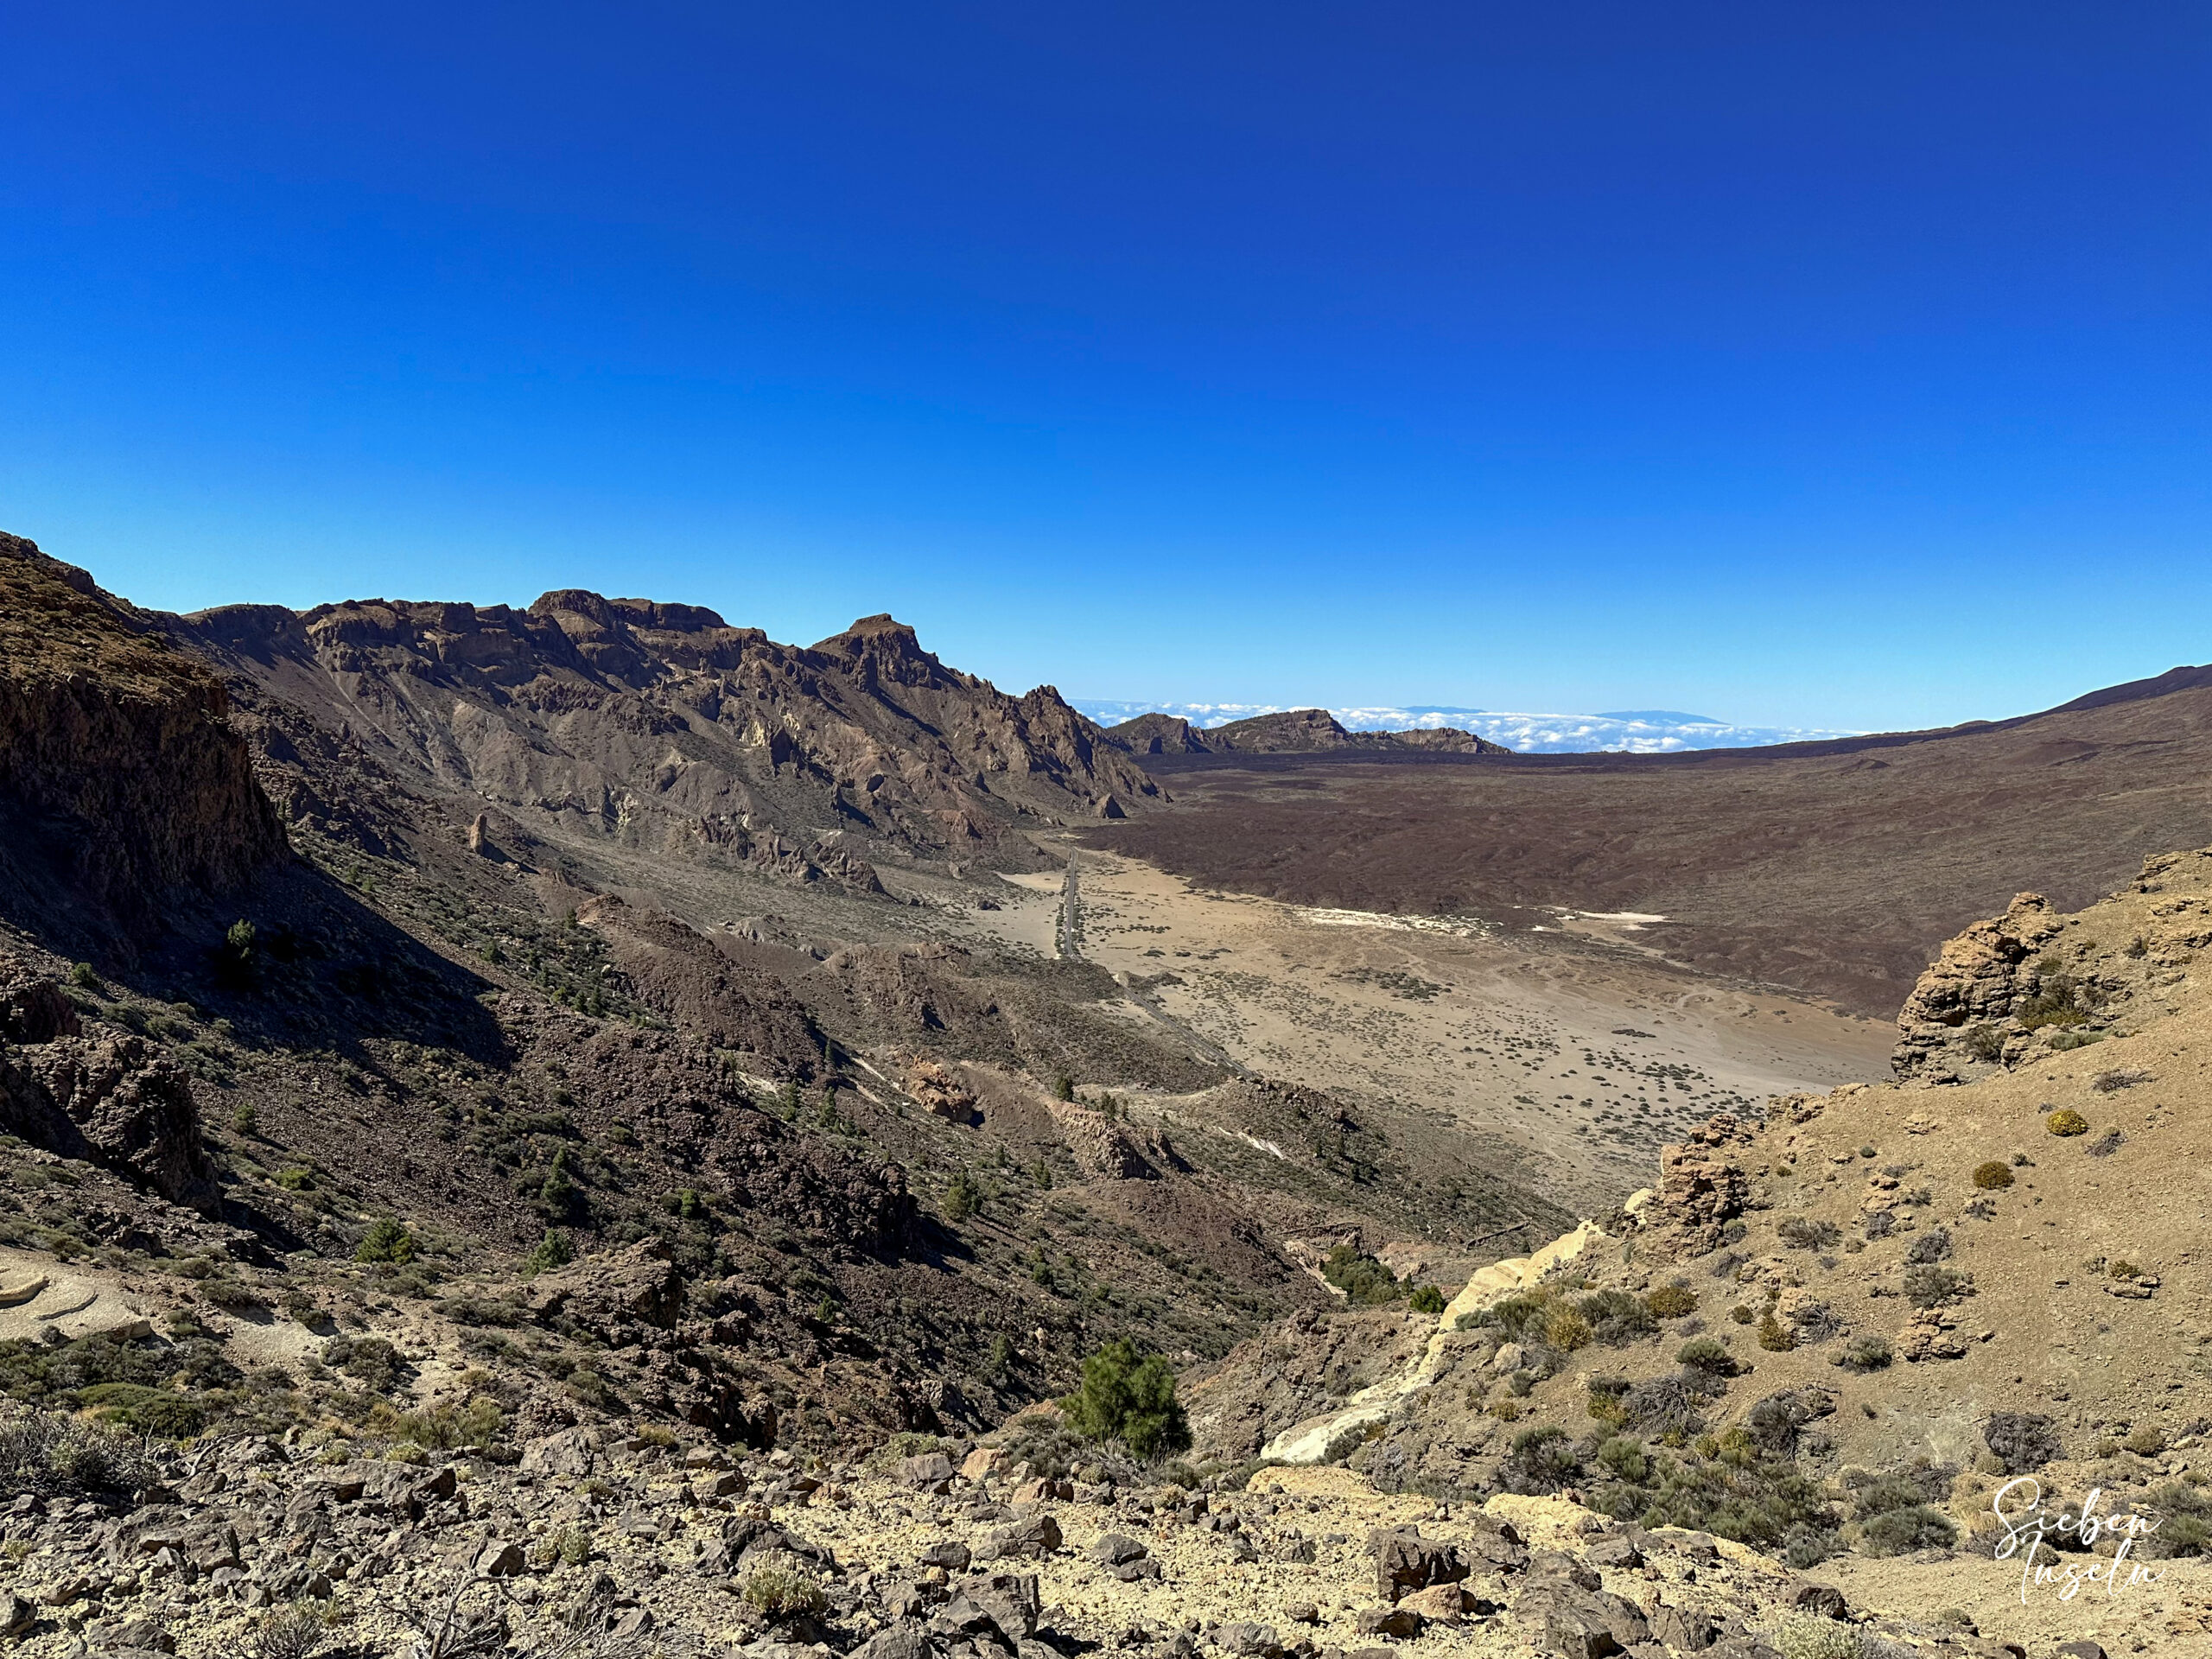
{"type": "Point", "coordinates": [663, 728]}
{"type": "Point", "coordinates": [110, 1097]}
{"type": "Point", "coordinates": [120, 777]}
{"type": "Point", "coordinates": [1291, 731]}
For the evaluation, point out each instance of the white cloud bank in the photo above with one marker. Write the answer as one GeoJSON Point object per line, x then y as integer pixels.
{"type": "Point", "coordinates": [1635, 731]}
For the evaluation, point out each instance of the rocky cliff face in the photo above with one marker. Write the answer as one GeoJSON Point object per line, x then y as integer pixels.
{"type": "Point", "coordinates": [662, 728]}
{"type": "Point", "coordinates": [120, 777]}
{"type": "Point", "coordinates": [107, 1097]}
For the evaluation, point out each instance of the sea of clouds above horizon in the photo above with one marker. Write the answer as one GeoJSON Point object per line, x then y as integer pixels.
{"type": "Point", "coordinates": [1628, 731]}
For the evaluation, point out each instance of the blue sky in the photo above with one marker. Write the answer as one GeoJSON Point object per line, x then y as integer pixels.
{"type": "Point", "coordinates": [1830, 365]}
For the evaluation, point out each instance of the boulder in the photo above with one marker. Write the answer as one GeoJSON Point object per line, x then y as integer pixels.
{"type": "Point", "coordinates": [1037, 1535]}
{"type": "Point", "coordinates": [1405, 1560]}
{"type": "Point", "coordinates": [1440, 1603]}
{"type": "Point", "coordinates": [1402, 1624]}
{"type": "Point", "coordinates": [619, 1297]}
{"type": "Point", "coordinates": [1112, 1549]}
{"type": "Point", "coordinates": [1248, 1640]}
{"type": "Point", "coordinates": [931, 1471]}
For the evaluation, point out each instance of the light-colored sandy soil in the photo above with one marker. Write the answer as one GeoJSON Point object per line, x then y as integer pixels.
{"type": "Point", "coordinates": [1581, 1050]}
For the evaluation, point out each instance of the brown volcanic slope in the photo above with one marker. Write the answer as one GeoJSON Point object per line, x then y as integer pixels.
{"type": "Point", "coordinates": [1834, 868]}
{"type": "Point", "coordinates": [664, 729]}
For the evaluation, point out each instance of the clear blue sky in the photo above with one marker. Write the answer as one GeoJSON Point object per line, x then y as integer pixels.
{"type": "Point", "coordinates": [1842, 364]}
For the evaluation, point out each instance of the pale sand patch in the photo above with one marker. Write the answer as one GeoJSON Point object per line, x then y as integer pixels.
{"type": "Point", "coordinates": [1485, 1033]}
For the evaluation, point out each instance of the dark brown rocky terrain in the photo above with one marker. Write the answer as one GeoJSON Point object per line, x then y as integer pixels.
{"type": "Point", "coordinates": [560, 933]}
{"type": "Point", "coordinates": [120, 779]}
{"type": "Point", "coordinates": [1837, 868]}
{"type": "Point", "coordinates": [1294, 731]}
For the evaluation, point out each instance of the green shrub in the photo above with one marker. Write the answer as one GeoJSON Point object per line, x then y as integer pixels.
{"type": "Point", "coordinates": [1741, 1314]}
{"type": "Point", "coordinates": [246, 1118]}
{"type": "Point", "coordinates": [1616, 1316]}
{"type": "Point", "coordinates": [82, 975]}
{"type": "Point", "coordinates": [1810, 1635]}
{"type": "Point", "coordinates": [150, 1411]}
{"type": "Point", "coordinates": [1624, 1458]}
{"type": "Point", "coordinates": [551, 1251]}
{"type": "Point", "coordinates": [1364, 1280]}
{"type": "Point", "coordinates": [386, 1240]}
{"type": "Point", "coordinates": [1063, 1087]}
{"type": "Point", "coordinates": [1542, 1462]}
{"type": "Point", "coordinates": [1901, 1531]}
{"type": "Point", "coordinates": [783, 1592]}
{"type": "Point", "coordinates": [1426, 1298]}
{"type": "Point", "coordinates": [1129, 1395]}
{"type": "Point", "coordinates": [1994, 1176]}
{"type": "Point", "coordinates": [1984, 1042]}
{"type": "Point", "coordinates": [1671, 1301]}
{"type": "Point", "coordinates": [1775, 1337]}
{"type": "Point", "coordinates": [295, 1179]}
{"type": "Point", "coordinates": [961, 1198]}
{"type": "Point", "coordinates": [2067, 1122]}
{"type": "Point", "coordinates": [1708, 1355]}
{"type": "Point", "coordinates": [370, 1361]}
{"type": "Point", "coordinates": [2185, 1521]}
{"type": "Point", "coordinates": [1867, 1353]}
{"type": "Point", "coordinates": [1567, 1330]}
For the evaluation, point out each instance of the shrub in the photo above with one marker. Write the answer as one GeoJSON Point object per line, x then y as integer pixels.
{"type": "Point", "coordinates": [2021, 1441]}
{"type": "Point", "coordinates": [961, 1198]}
{"type": "Point", "coordinates": [1426, 1298]}
{"type": "Point", "coordinates": [1708, 1355]}
{"type": "Point", "coordinates": [551, 1251]}
{"type": "Point", "coordinates": [1741, 1314]}
{"type": "Point", "coordinates": [246, 1118]}
{"type": "Point", "coordinates": [1542, 1462]}
{"type": "Point", "coordinates": [1567, 1330]}
{"type": "Point", "coordinates": [1671, 1301]}
{"type": "Point", "coordinates": [386, 1240]}
{"type": "Point", "coordinates": [1805, 1233]}
{"type": "Point", "coordinates": [295, 1179]}
{"type": "Point", "coordinates": [2146, 1440]}
{"type": "Point", "coordinates": [1519, 1316]}
{"type": "Point", "coordinates": [1868, 1353]}
{"type": "Point", "coordinates": [1810, 1635]}
{"type": "Point", "coordinates": [82, 975]}
{"type": "Point", "coordinates": [2184, 1522]}
{"type": "Point", "coordinates": [1616, 1316]}
{"type": "Point", "coordinates": [158, 1412]}
{"type": "Point", "coordinates": [2067, 1122]}
{"type": "Point", "coordinates": [1129, 1396]}
{"type": "Point", "coordinates": [51, 1456]}
{"type": "Point", "coordinates": [1994, 1176]}
{"type": "Point", "coordinates": [784, 1593]}
{"type": "Point", "coordinates": [1775, 1337]}
{"type": "Point", "coordinates": [1931, 1246]}
{"type": "Point", "coordinates": [293, 1633]}
{"type": "Point", "coordinates": [1063, 1087]}
{"type": "Point", "coordinates": [1364, 1280]}
{"type": "Point", "coordinates": [1984, 1042]}
{"type": "Point", "coordinates": [1624, 1458]}
{"type": "Point", "coordinates": [1666, 1408]}
{"type": "Point", "coordinates": [370, 1361]}
{"type": "Point", "coordinates": [1929, 1285]}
